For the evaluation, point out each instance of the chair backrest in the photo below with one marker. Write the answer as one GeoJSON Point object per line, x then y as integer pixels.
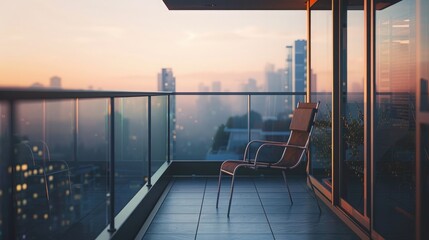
{"type": "Point", "coordinates": [301, 127]}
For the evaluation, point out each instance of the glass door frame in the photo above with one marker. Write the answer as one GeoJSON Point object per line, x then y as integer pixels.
{"type": "Point", "coordinates": [339, 9]}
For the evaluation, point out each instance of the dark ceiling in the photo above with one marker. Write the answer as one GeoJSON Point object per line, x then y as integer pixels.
{"type": "Point", "coordinates": [235, 4]}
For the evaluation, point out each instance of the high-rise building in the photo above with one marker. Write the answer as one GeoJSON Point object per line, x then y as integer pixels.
{"type": "Point", "coordinates": [299, 74]}
{"type": "Point", "coordinates": [166, 80]}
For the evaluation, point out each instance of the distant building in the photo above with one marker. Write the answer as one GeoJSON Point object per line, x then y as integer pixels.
{"type": "Point", "coordinates": [166, 80]}
{"type": "Point", "coordinates": [55, 82]}
{"type": "Point", "coordinates": [250, 86]}
{"type": "Point", "coordinates": [275, 80]}
{"type": "Point", "coordinates": [216, 86]}
{"type": "Point", "coordinates": [299, 74]}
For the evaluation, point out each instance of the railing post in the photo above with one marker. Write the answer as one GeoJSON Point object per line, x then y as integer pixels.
{"type": "Point", "coordinates": [168, 129]}
{"type": "Point", "coordinates": [11, 224]}
{"type": "Point", "coordinates": [149, 142]}
{"type": "Point", "coordinates": [112, 164]}
{"type": "Point", "coordinates": [249, 128]}
{"type": "Point", "coordinates": [76, 128]}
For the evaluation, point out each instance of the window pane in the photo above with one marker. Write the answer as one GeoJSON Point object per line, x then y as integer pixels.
{"type": "Point", "coordinates": [394, 120]}
{"type": "Point", "coordinates": [321, 90]}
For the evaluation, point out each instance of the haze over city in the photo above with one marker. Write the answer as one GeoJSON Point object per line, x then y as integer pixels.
{"type": "Point", "coordinates": [115, 46]}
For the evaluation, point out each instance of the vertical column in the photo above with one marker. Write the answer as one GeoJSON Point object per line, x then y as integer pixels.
{"type": "Point", "coordinates": [149, 142]}
{"type": "Point", "coordinates": [367, 106]}
{"type": "Point", "coordinates": [168, 129]}
{"type": "Point", "coordinates": [308, 97]}
{"type": "Point", "coordinates": [336, 100]}
{"type": "Point", "coordinates": [11, 224]}
{"type": "Point", "coordinates": [371, 104]}
{"type": "Point", "coordinates": [112, 164]}
{"type": "Point", "coordinates": [76, 128]}
{"type": "Point", "coordinates": [249, 128]}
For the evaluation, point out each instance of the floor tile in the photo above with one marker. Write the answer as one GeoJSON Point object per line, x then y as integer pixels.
{"type": "Point", "coordinates": [169, 236]}
{"type": "Point", "coordinates": [234, 236]}
{"type": "Point", "coordinates": [229, 228]}
{"type": "Point", "coordinates": [235, 201]}
{"type": "Point", "coordinates": [185, 228]}
{"type": "Point", "coordinates": [233, 218]}
{"type": "Point", "coordinates": [312, 236]}
{"type": "Point", "coordinates": [179, 209]}
{"type": "Point", "coordinates": [189, 212]}
{"type": "Point", "coordinates": [308, 227]}
{"type": "Point", "coordinates": [176, 218]}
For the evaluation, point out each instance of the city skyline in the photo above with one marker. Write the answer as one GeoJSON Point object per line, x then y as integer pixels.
{"type": "Point", "coordinates": [115, 47]}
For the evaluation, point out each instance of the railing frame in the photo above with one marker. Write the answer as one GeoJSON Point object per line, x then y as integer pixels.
{"type": "Point", "coordinates": [13, 96]}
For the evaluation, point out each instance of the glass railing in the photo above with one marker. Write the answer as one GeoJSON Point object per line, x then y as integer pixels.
{"type": "Point", "coordinates": [72, 171]}
{"type": "Point", "coordinates": [68, 166]}
{"type": "Point", "coordinates": [217, 126]}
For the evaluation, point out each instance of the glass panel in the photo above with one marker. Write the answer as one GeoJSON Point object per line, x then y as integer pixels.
{"type": "Point", "coordinates": [130, 148]}
{"type": "Point", "coordinates": [210, 127]}
{"type": "Point", "coordinates": [159, 132]}
{"type": "Point", "coordinates": [270, 120]}
{"type": "Point", "coordinates": [89, 172]}
{"type": "Point", "coordinates": [425, 181]}
{"type": "Point", "coordinates": [4, 175]}
{"type": "Point", "coordinates": [423, 51]}
{"type": "Point", "coordinates": [394, 120]}
{"type": "Point", "coordinates": [352, 117]}
{"type": "Point", "coordinates": [321, 90]}
{"type": "Point", "coordinates": [58, 194]}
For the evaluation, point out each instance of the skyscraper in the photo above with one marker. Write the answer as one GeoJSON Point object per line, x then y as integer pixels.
{"type": "Point", "coordinates": [299, 74]}
{"type": "Point", "coordinates": [166, 80]}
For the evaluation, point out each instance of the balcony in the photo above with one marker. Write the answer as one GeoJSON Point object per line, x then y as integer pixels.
{"type": "Point", "coordinates": [79, 171]}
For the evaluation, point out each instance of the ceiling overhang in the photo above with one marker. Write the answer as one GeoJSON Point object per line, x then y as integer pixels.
{"type": "Point", "coordinates": [235, 4]}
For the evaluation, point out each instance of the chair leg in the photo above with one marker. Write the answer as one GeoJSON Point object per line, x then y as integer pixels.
{"type": "Point", "coordinates": [287, 185]}
{"type": "Point", "coordinates": [230, 196]}
{"type": "Point", "coordinates": [315, 197]}
{"type": "Point", "coordinates": [218, 188]}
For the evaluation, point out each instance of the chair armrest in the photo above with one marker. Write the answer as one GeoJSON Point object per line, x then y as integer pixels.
{"type": "Point", "coordinates": [246, 151]}
{"type": "Point", "coordinates": [276, 144]}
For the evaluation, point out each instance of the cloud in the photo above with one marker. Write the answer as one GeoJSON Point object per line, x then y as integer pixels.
{"type": "Point", "coordinates": [239, 34]}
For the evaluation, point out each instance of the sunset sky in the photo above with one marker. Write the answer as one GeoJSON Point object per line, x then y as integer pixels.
{"type": "Point", "coordinates": [122, 45]}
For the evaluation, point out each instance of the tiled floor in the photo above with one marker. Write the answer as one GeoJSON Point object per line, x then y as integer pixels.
{"type": "Point", "coordinates": [260, 210]}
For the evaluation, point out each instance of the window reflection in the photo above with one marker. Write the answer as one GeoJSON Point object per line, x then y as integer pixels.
{"type": "Point", "coordinates": [321, 87]}
{"type": "Point", "coordinates": [394, 120]}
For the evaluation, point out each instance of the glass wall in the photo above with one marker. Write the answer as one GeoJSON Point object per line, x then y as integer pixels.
{"type": "Point", "coordinates": [321, 90]}
{"type": "Point", "coordinates": [159, 131]}
{"type": "Point", "coordinates": [423, 80]}
{"type": "Point", "coordinates": [394, 120]}
{"type": "Point", "coordinates": [210, 127]}
{"type": "Point", "coordinates": [130, 148]}
{"type": "Point", "coordinates": [352, 103]}
{"type": "Point", "coordinates": [4, 175]}
{"type": "Point", "coordinates": [61, 184]}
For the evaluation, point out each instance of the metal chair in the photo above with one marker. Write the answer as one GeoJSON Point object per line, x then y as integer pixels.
{"type": "Point", "coordinates": [294, 150]}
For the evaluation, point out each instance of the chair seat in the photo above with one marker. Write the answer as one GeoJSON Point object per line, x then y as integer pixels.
{"type": "Point", "coordinates": [230, 165]}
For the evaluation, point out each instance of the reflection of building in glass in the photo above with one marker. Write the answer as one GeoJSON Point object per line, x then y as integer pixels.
{"type": "Point", "coordinates": [395, 75]}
